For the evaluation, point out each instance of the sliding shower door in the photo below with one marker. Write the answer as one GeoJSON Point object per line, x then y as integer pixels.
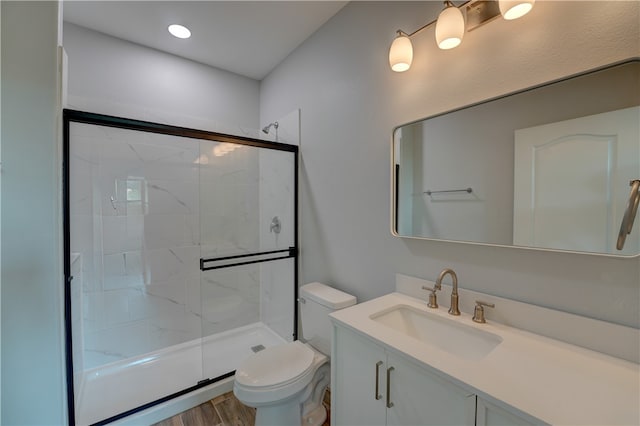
{"type": "Point", "coordinates": [247, 232]}
{"type": "Point", "coordinates": [180, 260]}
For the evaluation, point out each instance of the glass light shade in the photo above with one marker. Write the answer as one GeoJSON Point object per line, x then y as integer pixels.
{"type": "Point", "coordinates": [514, 9]}
{"type": "Point", "coordinates": [449, 28]}
{"type": "Point", "coordinates": [179, 31]}
{"type": "Point", "coordinates": [401, 54]}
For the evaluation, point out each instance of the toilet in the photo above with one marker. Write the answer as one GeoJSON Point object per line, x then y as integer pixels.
{"type": "Point", "coordinates": [286, 383]}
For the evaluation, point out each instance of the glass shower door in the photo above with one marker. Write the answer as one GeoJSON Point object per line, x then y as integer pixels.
{"type": "Point", "coordinates": [134, 246]}
{"type": "Point", "coordinates": [248, 254]}
{"type": "Point", "coordinates": [180, 259]}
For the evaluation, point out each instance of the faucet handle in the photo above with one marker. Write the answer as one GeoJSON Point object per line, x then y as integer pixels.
{"type": "Point", "coordinates": [433, 300]}
{"type": "Point", "coordinates": [478, 312]}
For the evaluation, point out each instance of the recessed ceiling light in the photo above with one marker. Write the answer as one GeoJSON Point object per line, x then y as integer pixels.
{"type": "Point", "coordinates": [179, 31]}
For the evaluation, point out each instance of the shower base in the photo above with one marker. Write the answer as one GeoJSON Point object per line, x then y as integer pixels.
{"type": "Point", "coordinates": [123, 385]}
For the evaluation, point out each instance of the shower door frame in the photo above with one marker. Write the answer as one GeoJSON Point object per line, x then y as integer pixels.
{"type": "Point", "coordinates": [75, 116]}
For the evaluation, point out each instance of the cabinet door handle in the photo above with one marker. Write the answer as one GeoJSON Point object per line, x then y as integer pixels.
{"type": "Point", "coordinates": [389, 403]}
{"type": "Point", "coordinates": [378, 396]}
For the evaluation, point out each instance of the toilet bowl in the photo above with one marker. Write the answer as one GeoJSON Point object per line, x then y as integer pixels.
{"type": "Point", "coordinates": [286, 383]}
{"type": "Point", "coordinates": [278, 379]}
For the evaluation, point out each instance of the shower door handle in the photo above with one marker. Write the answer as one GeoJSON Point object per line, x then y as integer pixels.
{"type": "Point", "coordinates": [378, 396]}
{"type": "Point", "coordinates": [247, 258]}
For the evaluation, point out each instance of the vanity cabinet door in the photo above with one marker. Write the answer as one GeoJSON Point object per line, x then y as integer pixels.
{"type": "Point", "coordinates": [422, 398]}
{"type": "Point", "coordinates": [489, 414]}
{"type": "Point", "coordinates": [354, 401]}
{"type": "Point", "coordinates": [361, 371]}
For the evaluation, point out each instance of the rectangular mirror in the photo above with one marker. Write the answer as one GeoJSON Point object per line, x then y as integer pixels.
{"type": "Point", "coordinates": [548, 167]}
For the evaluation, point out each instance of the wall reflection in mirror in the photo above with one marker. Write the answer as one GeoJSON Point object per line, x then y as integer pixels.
{"type": "Point", "coordinates": [548, 167]}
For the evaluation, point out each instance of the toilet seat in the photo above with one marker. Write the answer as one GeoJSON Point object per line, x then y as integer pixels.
{"type": "Point", "coordinates": [275, 366]}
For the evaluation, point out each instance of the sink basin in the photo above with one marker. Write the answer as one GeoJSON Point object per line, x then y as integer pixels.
{"type": "Point", "coordinates": [446, 334]}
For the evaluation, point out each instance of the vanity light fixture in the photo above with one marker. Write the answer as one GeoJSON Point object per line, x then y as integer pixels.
{"type": "Point", "coordinates": [449, 27]}
{"type": "Point", "coordinates": [452, 23]}
{"type": "Point", "coordinates": [179, 31]}
{"type": "Point", "coordinates": [514, 9]}
{"type": "Point", "coordinates": [401, 52]}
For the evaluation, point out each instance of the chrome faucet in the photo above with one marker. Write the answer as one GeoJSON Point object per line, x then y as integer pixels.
{"type": "Point", "coordinates": [453, 310]}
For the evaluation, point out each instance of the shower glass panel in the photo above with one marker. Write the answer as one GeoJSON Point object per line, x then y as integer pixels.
{"type": "Point", "coordinates": [245, 285]}
{"type": "Point", "coordinates": [152, 311]}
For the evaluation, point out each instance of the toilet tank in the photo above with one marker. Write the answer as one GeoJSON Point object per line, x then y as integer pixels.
{"type": "Point", "coordinates": [317, 301]}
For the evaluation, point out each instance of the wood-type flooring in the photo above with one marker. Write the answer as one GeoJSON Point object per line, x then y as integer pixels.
{"type": "Point", "coordinates": [224, 410]}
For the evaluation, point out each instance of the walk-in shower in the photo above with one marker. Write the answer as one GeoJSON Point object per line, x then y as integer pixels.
{"type": "Point", "coordinates": [174, 271]}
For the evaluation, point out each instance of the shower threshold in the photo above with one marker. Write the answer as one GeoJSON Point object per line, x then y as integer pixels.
{"type": "Point", "coordinates": [120, 386]}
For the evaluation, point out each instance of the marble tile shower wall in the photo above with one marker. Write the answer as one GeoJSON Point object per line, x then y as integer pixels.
{"type": "Point", "coordinates": [144, 206]}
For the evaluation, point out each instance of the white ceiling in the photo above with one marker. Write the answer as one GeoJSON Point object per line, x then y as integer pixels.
{"type": "Point", "coordinates": [249, 38]}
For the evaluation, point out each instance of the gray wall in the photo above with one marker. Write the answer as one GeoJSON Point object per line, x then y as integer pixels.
{"type": "Point", "coordinates": [112, 76]}
{"type": "Point", "coordinates": [350, 102]}
{"type": "Point", "coordinates": [32, 342]}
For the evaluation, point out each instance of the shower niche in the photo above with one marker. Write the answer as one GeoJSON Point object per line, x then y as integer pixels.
{"type": "Point", "coordinates": [174, 271]}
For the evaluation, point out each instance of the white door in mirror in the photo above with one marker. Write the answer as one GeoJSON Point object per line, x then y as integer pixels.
{"type": "Point", "coordinates": [571, 182]}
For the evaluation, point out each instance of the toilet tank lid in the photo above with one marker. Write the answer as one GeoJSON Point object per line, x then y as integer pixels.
{"type": "Point", "coordinates": [327, 296]}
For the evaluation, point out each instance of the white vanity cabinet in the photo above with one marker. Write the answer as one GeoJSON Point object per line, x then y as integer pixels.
{"type": "Point", "coordinates": [358, 380]}
{"type": "Point", "coordinates": [421, 398]}
{"type": "Point", "coordinates": [375, 386]}
{"type": "Point", "coordinates": [435, 368]}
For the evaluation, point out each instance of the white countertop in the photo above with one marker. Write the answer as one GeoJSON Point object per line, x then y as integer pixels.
{"type": "Point", "coordinates": [552, 381]}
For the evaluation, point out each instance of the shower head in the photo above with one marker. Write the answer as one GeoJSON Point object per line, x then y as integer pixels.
{"type": "Point", "coordinates": [266, 128]}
